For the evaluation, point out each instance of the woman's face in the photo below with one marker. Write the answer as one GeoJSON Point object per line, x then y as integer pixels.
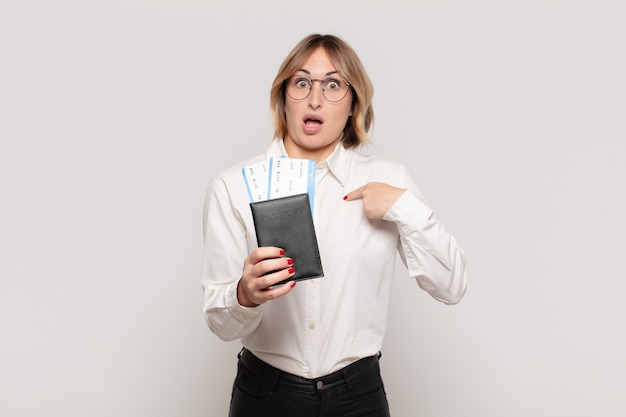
{"type": "Point", "coordinates": [314, 124]}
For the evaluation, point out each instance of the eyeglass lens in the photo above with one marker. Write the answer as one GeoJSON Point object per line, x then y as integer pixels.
{"type": "Point", "coordinates": [299, 87]}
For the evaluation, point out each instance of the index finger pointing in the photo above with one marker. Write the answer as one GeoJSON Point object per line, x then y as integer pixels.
{"type": "Point", "coordinates": [354, 194]}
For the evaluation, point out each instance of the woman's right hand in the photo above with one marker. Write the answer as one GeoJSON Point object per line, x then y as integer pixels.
{"type": "Point", "coordinates": [253, 287]}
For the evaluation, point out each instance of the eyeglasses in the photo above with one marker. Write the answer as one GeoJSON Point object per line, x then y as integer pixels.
{"type": "Point", "coordinates": [299, 87]}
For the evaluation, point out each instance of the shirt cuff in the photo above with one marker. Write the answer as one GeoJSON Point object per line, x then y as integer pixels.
{"type": "Point", "coordinates": [409, 210]}
{"type": "Point", "coordinates": [238, 312]}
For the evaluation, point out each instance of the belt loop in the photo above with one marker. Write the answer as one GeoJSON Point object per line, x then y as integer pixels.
{"type": "Point", "coordinates": [346, 380]}
{"type": "Point", "coordinates": [241, 353]}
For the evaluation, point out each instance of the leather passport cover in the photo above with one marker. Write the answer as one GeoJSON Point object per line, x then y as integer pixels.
{"type": "Point", "coordinates": [287, 223]}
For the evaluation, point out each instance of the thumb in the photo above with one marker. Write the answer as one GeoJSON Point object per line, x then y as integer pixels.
{"type": "Point", "coordinates": [354, 194]}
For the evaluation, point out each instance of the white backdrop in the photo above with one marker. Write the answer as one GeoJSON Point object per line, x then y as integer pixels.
{"type": "Point", "coordinates": [114, 115]}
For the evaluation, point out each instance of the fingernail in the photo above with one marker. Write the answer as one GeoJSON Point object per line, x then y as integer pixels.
{"type": "Point", "coordinates": [292, 270]}
{"type": "Point", "coordinates": [345, 197]}
{"type": "Point", "coordinates": [289, 261]}
{"type": "Point", "coordinates": [282, 252]}
{"type": "Point", "coordinates": [293, 284]}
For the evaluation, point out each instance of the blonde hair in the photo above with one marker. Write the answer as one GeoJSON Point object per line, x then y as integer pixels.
{"type": "Point", "coordinates": [348, 64]}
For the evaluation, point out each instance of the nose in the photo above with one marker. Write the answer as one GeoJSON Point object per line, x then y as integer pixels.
{"type": "Point", "coordinates": [316, 97]}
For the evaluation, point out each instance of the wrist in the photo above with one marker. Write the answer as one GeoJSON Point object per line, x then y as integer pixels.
{"type": "Point", "coordinates": [242, 297]}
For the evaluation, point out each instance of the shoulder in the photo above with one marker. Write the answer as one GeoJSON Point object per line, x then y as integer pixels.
{"type": "Point", "coordinates": [366, 168]}
{"type": "Point", "coordinates": [234, 171]}
{"type": "Point", "coordinates": [229, 185]}
{"type": "Point", "coordinates": [374, 165]}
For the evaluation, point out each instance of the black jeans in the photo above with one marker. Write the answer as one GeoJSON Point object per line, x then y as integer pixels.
{"type": "Point", "coordinates": [260, 390]}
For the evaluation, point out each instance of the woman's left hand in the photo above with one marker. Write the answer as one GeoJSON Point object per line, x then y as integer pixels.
{"type": "Point", "coordinates": [377, 198]}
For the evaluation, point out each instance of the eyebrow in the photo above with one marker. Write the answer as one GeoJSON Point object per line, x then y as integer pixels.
{"type": "Point", "coordinates": [327, 74]}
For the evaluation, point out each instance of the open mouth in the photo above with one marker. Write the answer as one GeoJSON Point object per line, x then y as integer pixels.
{"type": "Point", "coordinates": [313, 121]}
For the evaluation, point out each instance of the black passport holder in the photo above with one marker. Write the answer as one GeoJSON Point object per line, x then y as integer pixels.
{"type": "Point", "coordinates": [287, 223]}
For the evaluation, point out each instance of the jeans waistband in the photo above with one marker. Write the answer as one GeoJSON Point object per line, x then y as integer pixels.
{"type": "Point", "coordinates": [278, 378]}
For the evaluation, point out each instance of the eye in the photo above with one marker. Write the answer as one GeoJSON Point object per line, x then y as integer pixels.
{"type": "Point", "coordinates": [301, 83]}
{"type": "Point", "coordinates": [333, 84]}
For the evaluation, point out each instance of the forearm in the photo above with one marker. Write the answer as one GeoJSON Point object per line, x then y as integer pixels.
{"type": "Point", "coordinates": [225, 316]}
{"type": "Point", "coordinates": [431, 255]}
{"type": "Point", "coordinates": [225, 249]}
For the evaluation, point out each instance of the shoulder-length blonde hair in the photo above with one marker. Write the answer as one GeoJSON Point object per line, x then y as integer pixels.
{"type": "Point", "coordinates": [348, 64]}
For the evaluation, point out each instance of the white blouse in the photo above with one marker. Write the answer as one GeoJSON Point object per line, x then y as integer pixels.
{"type": "Point", "coordinates": [326, 323]}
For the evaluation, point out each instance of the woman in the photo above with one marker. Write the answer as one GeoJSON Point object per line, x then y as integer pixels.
{"type": "Point", "coordinates": [312, 349]}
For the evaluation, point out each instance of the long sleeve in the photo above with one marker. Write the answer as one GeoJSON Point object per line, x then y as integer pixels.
{"type": "Point", "coordinates": [225, 248]}
{"type": "Point", "coordinates": [299, 332]}
{"type": "Point", "coordinates": [431, 255]}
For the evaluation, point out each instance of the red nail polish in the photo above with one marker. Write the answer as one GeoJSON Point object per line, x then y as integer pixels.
{"type": "Point", "coordinates": [293, 284]}
{"type": "Point", "coordinates": [282, 252]}
{"type": "Point", "coordinates": [289, 261]}
{"type": "Point", "coordinates": [345, 197]}
{"type": "Point", "coordinates": [292, 270]}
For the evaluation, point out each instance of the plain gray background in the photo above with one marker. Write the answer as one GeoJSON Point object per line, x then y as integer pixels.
{"type": "Point", "coordinates": [114, 115]}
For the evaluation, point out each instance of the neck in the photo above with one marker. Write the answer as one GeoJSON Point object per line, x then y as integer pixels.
{"type": "Point", "coordinates": [299, 152]}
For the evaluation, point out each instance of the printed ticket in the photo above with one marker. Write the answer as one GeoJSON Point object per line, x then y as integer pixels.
{"type": "Point", "coordinates": [257, 181]}
{"type": "Point", "coordinates": [280, 177]}
{"type": "Point", "coordinates": [291, 176]}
